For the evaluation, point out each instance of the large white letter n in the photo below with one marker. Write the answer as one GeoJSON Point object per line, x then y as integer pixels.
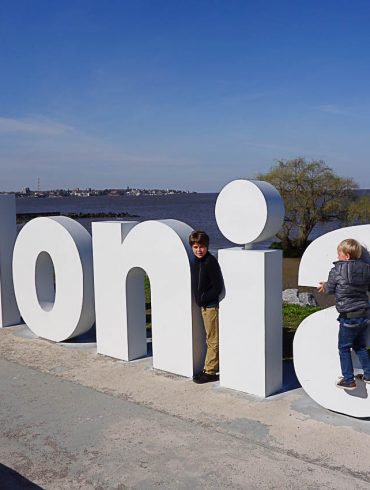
{"type": "Point", "coordinates": [122, 252]}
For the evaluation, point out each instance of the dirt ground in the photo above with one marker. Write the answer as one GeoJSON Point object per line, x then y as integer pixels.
{"type": "Point", "coordinates": [290, 273]}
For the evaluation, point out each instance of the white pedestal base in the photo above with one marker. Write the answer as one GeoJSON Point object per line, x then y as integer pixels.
{"type": "Point", "coordinates": [251, 321]}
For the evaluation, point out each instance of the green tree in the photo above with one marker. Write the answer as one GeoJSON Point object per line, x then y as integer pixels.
{"type": "Point", "coordinates": [359, 211]}
{"type": "Point", "coordinates": [312, 194]}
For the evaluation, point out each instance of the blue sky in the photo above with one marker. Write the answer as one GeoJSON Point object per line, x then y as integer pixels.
{"type": "Point", "coordinates": [181, 94]}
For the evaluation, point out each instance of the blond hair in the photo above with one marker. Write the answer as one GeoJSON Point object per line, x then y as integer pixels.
{"type": "Point", "coordinates": [351, 247]}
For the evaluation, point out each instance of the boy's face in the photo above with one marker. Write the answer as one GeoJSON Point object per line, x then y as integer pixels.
{"type": "Point", "coordinates": [342, 255]}
{"type": "Point", "coordinates": [199, 250]}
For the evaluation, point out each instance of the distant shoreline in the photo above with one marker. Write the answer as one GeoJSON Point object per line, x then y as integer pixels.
{"type": "Point", "coordinates": [26, 192]}
{"type": "Point", "coordinates": [25, 217]}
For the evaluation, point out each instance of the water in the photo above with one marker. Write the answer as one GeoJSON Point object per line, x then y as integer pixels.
{"type": "Point", "coordinates": [197, 210]}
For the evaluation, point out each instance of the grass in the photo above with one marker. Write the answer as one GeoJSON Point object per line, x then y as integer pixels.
{"type": "Point", "coordinates": [147, 290]}
{"type": "Point", "coordinates": [293, 315]}
{"type": "Point", "coordinates": [148, 306]}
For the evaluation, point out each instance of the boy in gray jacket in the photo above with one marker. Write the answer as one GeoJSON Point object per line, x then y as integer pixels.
{"type": "Point", "coordinates": [349, 281]}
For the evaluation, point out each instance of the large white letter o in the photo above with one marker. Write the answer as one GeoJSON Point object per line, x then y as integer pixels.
{"type": "Point", "coordinates": [53, 277]}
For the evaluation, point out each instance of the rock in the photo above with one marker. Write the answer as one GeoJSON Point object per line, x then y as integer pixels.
{"type": "Point", "coordinates": [307, 299]}
{"type": "Point", "coordinates": [292, 297]}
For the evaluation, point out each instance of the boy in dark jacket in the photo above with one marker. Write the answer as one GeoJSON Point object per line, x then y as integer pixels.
{"type": "Point", "coordinates": [207, 285]}
{"type": "Point", "coordinates": [349, 280]}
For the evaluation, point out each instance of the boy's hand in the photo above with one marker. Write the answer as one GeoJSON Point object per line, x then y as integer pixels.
{"type": "Point", "coordinates": [321, 287]}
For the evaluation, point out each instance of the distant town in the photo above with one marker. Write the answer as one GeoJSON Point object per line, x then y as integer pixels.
{"type": "Point", "coordinates": [128, 191]}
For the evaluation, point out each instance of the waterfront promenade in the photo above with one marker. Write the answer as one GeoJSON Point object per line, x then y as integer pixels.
{"type": "Point", "coordinates": [72, 419]}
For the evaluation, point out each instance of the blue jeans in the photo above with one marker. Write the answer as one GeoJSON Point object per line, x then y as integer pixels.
{"type": "Point", "coordinates": [353, 337]}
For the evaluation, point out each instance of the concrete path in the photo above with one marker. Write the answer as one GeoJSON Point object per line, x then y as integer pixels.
{"type": "Point", "coordinates": [72, 419]}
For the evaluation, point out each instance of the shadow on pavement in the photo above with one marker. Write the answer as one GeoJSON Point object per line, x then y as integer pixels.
{"type": "Point", "coordinates": [12, 480]}
{"type": "Point", "coordinates": [290, 380]}
{"type": "Point", "coordinates": [88, 337]}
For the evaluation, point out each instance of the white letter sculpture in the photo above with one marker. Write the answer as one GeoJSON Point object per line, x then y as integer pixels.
{"type": "Point", "coordinates": [122, 252]}
{"type": "Point", "coordinates": [249, 212]}
{"type": "Point", "coordinates": [53, 277]}
{"type": "Point", "coordinates": [315, 346]}
{"type": "Point", "coordinates": [9, 313]}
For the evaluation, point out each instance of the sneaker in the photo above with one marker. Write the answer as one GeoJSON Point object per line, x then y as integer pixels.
{"type": "Point", "coordinates": [205, 378]}
{"type": "Point", "coordinates": [198, 375]}
{"type": "Point", "coordinates": [345, 385]}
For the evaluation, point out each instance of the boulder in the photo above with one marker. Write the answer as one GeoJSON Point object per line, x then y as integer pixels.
{"type": "Point", "coordinates": [307, 299]}
{"type": "Point", "coordinates": [293, 297]}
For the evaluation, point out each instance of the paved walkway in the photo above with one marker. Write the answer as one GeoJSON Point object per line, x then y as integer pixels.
{"type": "Point", "coordinates": [72, 419]}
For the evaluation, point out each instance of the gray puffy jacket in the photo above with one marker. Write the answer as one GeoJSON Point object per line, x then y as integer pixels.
{"type": "Point", "coordinates": [349, 280]}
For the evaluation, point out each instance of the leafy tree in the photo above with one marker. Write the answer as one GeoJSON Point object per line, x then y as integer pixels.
{"type": "Point", "coordinates": [359, 211]}
{"type": "Point", "coordinates": [312, 194]}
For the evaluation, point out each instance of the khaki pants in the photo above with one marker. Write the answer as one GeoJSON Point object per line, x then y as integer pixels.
{"type": "Point", "coordinates": [210, 320]}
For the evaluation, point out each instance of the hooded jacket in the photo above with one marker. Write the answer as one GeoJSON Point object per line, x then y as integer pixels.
{"type": "Point", "coordinates": [207, 281]}
{"type": "Point", "coordinates": [349, 280]}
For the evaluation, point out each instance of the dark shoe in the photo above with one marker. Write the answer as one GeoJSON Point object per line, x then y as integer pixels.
{"type": "Point", "coordinates": [345, 385]}
{"type": "Point", "coordinates": [363, 378]}
{"type": "Point", "coordinates": [198, 375]}
{"type": "Point", "coordinates": [205, 378]}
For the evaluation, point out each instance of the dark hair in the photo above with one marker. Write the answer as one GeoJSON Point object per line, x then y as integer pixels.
{"type": "Point", "coordinates": [200, 237]}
